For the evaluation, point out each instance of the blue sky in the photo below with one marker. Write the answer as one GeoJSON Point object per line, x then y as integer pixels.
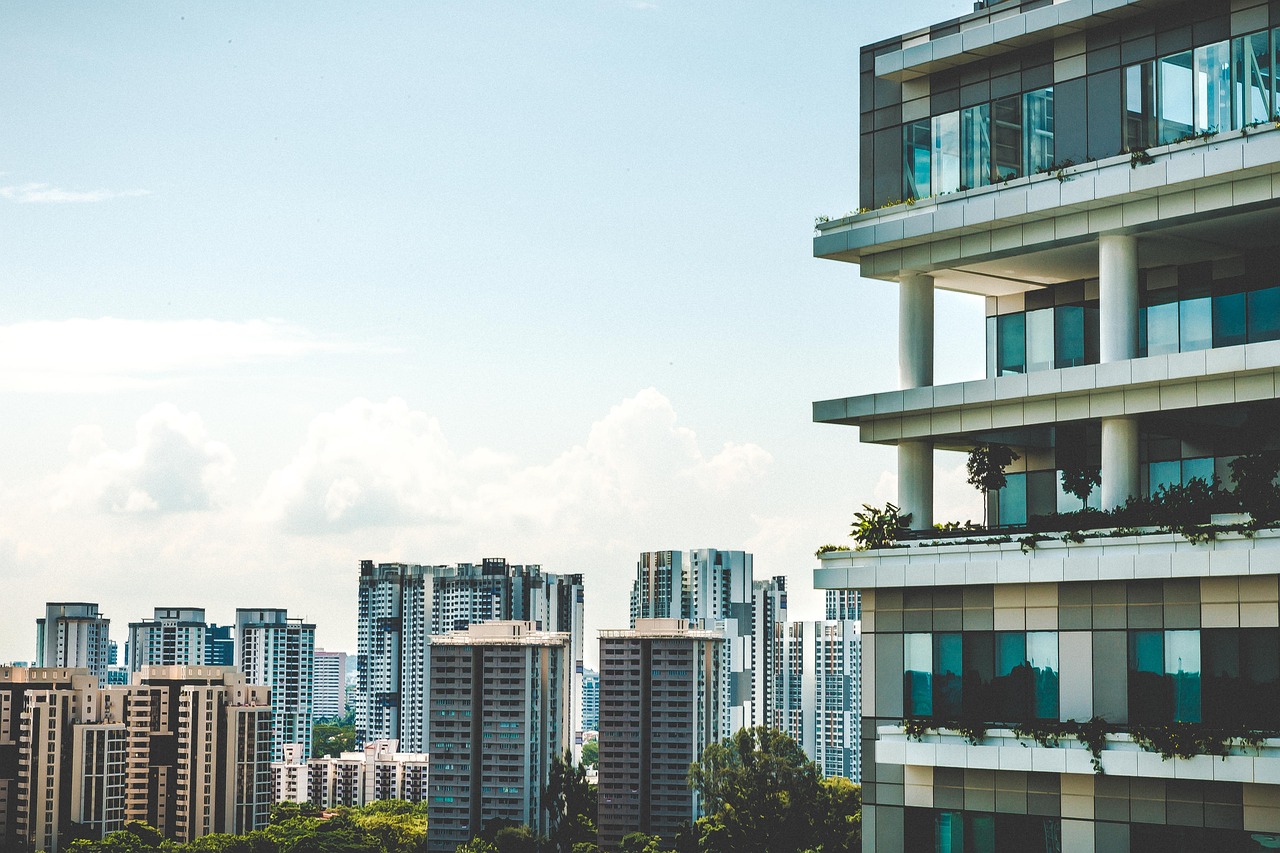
{"type": "Point", "coordinates": [296, 285]}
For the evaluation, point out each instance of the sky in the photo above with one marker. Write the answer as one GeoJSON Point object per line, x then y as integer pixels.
{"type": "Point", "coordinates": [292, 285]}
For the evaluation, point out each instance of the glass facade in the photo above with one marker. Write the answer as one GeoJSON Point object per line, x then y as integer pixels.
{"type": "Point", "coordinates": [942, 831]}
{"type": "Point", "coordinates": [979, 145]}
{"type": "Point", "coordinates": [1220, 86]}
{"type": "Point", "coordinates": [1043, 338]}
{"type": "Point", "coordinates": [989, 676]}
{"type": "Point", "coordinates": [1164, 677]}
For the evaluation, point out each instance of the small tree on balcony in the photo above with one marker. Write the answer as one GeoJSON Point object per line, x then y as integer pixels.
{"type": "Point", "coordinates": [986, 470]}
{"type": "Point", "coordinates": [878, 528]}
{"type": "Point", "coordinates": [1255, 476]}
{"type": "Point", "coordinates": [1080, 482]}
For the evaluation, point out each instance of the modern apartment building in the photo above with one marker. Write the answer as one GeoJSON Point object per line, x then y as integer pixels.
{"type": "Point", "coordinates": [184, 749]}
{"type": "Point", "coordinates": [590, 701]}
{"type": "Point", "coordinates": [501, 710]}
{"type": "Point", "coordinates": [401, 606]}
{"type": "Point", "coordinates": [175, 636]}
{"type": "Point", "coordinates": [378, 772]}
{"type": "Point", "coordinates": [329, 686]}
{"type": "Point", "coordinates": [768, 610]}
{"type": "Point", "coordinates": [817, 693]}
{"type": "Point", "coordinates": [219, 646]}
{"type": "Point", "coordinates": [277, 651]}
{"type": "Point", "coordinates": [1103, 175]}
{"type": "Point", "coordinates": [661, 588]}
{"type": "Point", "coordinates": [74, 634]}
{"type": "Point", "coordinates": [659, 709]}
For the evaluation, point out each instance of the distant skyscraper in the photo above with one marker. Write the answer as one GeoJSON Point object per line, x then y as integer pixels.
{"type": "Point", "coordinates": [174, 637]}
{"type": "Point", "coordinates": [74, 634]}
{"type": "Point", "coordinates": [219, 646]}
{"type": "Point", "coordinates": [401, 606]}
{"type": "Point", "coordinates": [500, 714]}
{"type": "Point", "coordinates": [277, 651]}
{"type": "Point", "coordinates": [659, 708]}
{"type": "Point", "coordinates": [769, 608]}
{"type": "Point", "coordinates": [817, 695]}
{"type": "Point", "coordinates": [844, 604]}
{"type": "Point", "coordinates": [329, 692]}
{"type": "Point", "coordinates": [661, 588]}
{"type": "Point", "coordinates": [590, 701]}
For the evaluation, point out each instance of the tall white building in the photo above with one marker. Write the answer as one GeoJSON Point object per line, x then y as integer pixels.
{"type": "Point", "coordinates": [277, 651]}
{"type": "Point", "coordinates": [501, 711]}
{"type": "Point", "coordinates": [401, 606]}
{"type": "Point", "coordinates": [175, 636]}
{"type": "Point", "coordinates": [661, 588]}
{"type": "Point", "coordinates": [590, 701]}
{"type": "Point", "coordinates": [769, 608]}
{"type": "Point", "coordinates": [817, 692]}
{"type": "Point", "coordinates": [329, 684]}
{"type": "Point", "coordinates": [74, 634]}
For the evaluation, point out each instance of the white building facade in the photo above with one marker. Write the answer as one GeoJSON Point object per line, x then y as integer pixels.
{"type": "Point", "coordinates": [277, 651]}
{"type": "Point", "coordinates": [74, 634]}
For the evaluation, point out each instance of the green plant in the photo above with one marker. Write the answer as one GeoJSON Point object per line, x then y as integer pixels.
{"type": "Point", "coordinates": [1092, 735]}
{"type": "Point", "coordinates": [1047, 734]}
{"type": "Point", "coordinates": [878, 528]}
{"type": "Point", "coordinates": [1028, 543]}
{"type": "Point", "coordinates": [1138, 157]}
{"type": "Point", "coordinates": [1080, 482]}
{"type": "Point", "coordinates": [986, 466]}
{"type": "Point", "coordinates": [1073, 536]}
{"type": "Point", "coordinates": [915, 727]}
{"type": "Point", "coordinates": [973, 732]}
{"type": "Point", "coordinates": [820, 220]}
{"type": "Point", "coordinates": [955, 525]}
{"type": "Point", "coordinates": [1256, 489]}
{"type": "Point", "coordinates": [827, 549]}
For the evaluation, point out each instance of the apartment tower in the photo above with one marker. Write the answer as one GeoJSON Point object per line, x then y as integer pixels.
{"type": "Point", "coordinates": [277, 651]}
{"type": "Point", "coordinates": [74, 634]}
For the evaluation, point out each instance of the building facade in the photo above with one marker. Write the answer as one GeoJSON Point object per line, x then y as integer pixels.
{"type": "Point", "coordinates": [277, 651]}
{"type": "Point", "coordinates": [501, 711]}
{"type": "Point", "coordinates": [175, 636]}
{"type": "Point", "coordinates": [329, 690]}
{"type": "Point", "coordinates": [1104, 178]}
{"type": "Point", "coordinates": [659, 709]}
{"type": "Point", "coordinates": [769, 609]}
{"type": "Point", "coordinates": [817, 692]}
{"type": "Point", "coordinates": [74, 634]}
{"type": "Point", "coordinates": [184, 749]}
{"type": "Point", "coordinates": [590, 701]}
{"type": "Point", "coordinates": [378, 772]}
{"type": "Point", "coordinates": [401, 606]}
{"type": "Point", "coordinates": [661, 588]}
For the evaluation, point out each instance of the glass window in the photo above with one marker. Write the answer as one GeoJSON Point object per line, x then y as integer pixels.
{"type": "Point", "coordinates": [975, 146]}
{"type": "Point", "coordinates": [1037, 123]}
{"type": "Point", "coordinates": [1162, 326]}
{"type": "Point", "coordinates": [1213, 86]}
{"type": "Point", "coordinates": [1195, 324]}
{"type": "Point", "coordinates": [1013, 501]}
{"type": "Point", "coordinates": [981, 835]}
{"type": "Point", "coordinates": [948, 672]}
{"type": "Point", "coordinates": [1147, 691]}
{"type": "Point", "coordinates": [916, 170]}
{"type": "Point", "coordinates": [1264, 315]}
{"type": "Point", "coordinates": [1182, 665]}
{"type": "Point", "coordinates": [1009, 687]}
{"type": "Point", "coordinates": [1042, 658]}
{"type": "Point", "coordinates": [917, 689]}
{"type": "Point", "coordinates": [1197, 469]}
{"type": "Point", "coordinates": [1006, 138]}
{"type": "Point", "coordinates": [1164, 475]}
{"type": "Point", "coordinates": [1251, 60]}
{"type": "Point", "coordinates": [946, 153]}
{"type": "Point", "coordinates": [1228, 319]}
{"type": "Point", "coordinates": [1042, 493]}
{"type": "Point", "coordinates": [1068, 336]}
{"type": "Point", "coordinates": [1012, 343]}
{"type": "Point", "coordinates": [1139, 105]}
{"type": "Point", "coordinates": [948, 835]}
{"type": "Point", "coordinates": [1174, 108]}
{"type": "Point", "coordinates": [1039, 332]}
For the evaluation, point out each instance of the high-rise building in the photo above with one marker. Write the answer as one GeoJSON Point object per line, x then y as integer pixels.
{"type": "Point", "coordinates": [219, 646]}
{"type": "Point", "coordinates": [175, 636]}
{"type": "Point", "coordinates": [329, 686]}
{"type": "Point", "coordinates": [402, 606]}
{"type": "Point", "coordinates": [1102, 181]}
{"type": "Point", "coordinates": [74, 634]}
{"type": "Point", "coordinates": [844, 605]}
{"type": "Point", "coordinates": [659, 709]}
{"type": "Point", "coordinates": [378, 772]}
{"type": "Point", "coordinates": [590, 701]}
{"type": "Point", "coordinates": [277, 651]}
{"type": "Point", "coordinates": [817, 692]}
{"type": "Point", "coordinates": [184, 749]}
{"type": "Point", "coordinates": [768, 609]}
{"type": "Point", "coordinates": [501, 710]}
{"type": "Point", "coordinates": [661, 588]}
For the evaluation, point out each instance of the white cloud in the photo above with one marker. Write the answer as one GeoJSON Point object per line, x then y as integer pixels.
{"type": "Point", "coordinates": [173, 466]}
{"type": "Point", "coordinates": [108, 354]}
{"type": "Point", "coordinates": [37, 193]}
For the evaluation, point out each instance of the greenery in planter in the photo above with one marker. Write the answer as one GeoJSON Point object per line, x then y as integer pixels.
{"type": "Point", "coordinates": [878, 528]}
{"type": "Point", "coordinates": [986, 469]}
{"type": "Point", "coordinates": [1092, 735]}
{"type": "Point", "coordinates": [1255, 476]}
{"type": "Point", "coordinates": [1047, 733]}
{"type": "Point", "coordinates": [827, 549]}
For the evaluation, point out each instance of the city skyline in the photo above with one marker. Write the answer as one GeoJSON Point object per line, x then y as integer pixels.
{"type": "Point", "coordinates": [280, 304]}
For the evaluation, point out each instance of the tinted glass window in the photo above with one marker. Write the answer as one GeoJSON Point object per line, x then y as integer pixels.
{"type": "Point", "coordinates": [1264, 315]}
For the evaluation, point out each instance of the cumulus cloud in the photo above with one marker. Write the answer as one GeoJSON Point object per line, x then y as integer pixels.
{"type": "Point", "coordinates": [38, 193]}
{"type": "Point", "coordinates": [370, 464]}
{"type": "Point", "coordinates": [108, 354]}
{"type": "Point", "coordinates": [173, 466]}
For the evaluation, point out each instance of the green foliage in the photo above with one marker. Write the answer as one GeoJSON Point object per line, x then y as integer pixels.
{"type": "Point", "coordinates": [571, 803]}
{"type": "Point", "coordinates": [591, 753]}
{"type": "Point", "coordinates": [878, 528]}
{"type": "Point", "coordinates": [476, 845]}
{"type": "Point", "coordinates": [638, 842]}
{"type": "Point", "coordinates": [516, 839]}
{"type": "Point", "coordinates": [762, 795]}
{"type": "Point", "coordinates": [827, 549]}
{"type": "Point", "coordinates": [1255, 476]}
{"type": "Point", "coordinates": [841, 807]}
{"type": "Point", "coordinates": [330, 738]}
{"type": "Point", "coordinates": [986, 466]}
{"type": "Point", "coordinates": [1080, 482]}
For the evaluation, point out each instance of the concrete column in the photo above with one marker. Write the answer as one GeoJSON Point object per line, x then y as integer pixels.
{"type": "Point", "coordinates": [915, 482]}
{"type": "Point", "coordinates": [915, 330]}
{"type": "Point", "coordinates": [1117, 297]}
{"type": "Point", "coordinates": [915, 370]}
{"type": "Point", "coordinates": [1119, 460]}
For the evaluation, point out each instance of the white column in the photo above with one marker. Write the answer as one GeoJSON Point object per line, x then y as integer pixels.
{"type": "Point", "coordinates": [1119, 460]}
{"type": "Point", "coordinates": [1117, 341]}
{"type": "Point", "coordinates": [915, 330]}
{"type": "Point", "coordinates": [915, 370]}
{"type": "Point", "coordinates": [1117, 297]}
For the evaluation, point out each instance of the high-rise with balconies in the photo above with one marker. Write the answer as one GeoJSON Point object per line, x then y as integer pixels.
{"type": "Point", "coordinates": [277, 651]}
{"type": "Point", "coordinates": [1105, 177]}
{"type": "Point", "coordinates": [175, 636]}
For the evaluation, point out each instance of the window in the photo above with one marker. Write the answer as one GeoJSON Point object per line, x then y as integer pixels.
{"type": "Point", "coordinates": [946, 153]}
{"type": "Point", "coordinates": [1011, 344]}
{"type": "Point", "coordinates": [1174, 87]}
{"type": "Point", "coordinates": [1006, 138]}
{"type": "Point", "coordinates": [1241, 676]}
{"type": "Point", "coordinates": [939, 831]}
{"type": "Point", "coordinates": [1139, 105]}
{"type": "Point", "coordinates": [916, 161]}
{"type": "Point", "coordinates": [1037, 130]}
{"type": "Point", "coordinates": [1213, 86]}
{"type": "Point", "coordinates": [1251, 71]}
{"type": "Point", "coordinates": [1012, 501]}
{"type": "Point", "coordinates": [1164, 677]}
{"type": "Point", "coordinates": [917, 688]}
{"type": "Point", "coordinates": [1001, 676]}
